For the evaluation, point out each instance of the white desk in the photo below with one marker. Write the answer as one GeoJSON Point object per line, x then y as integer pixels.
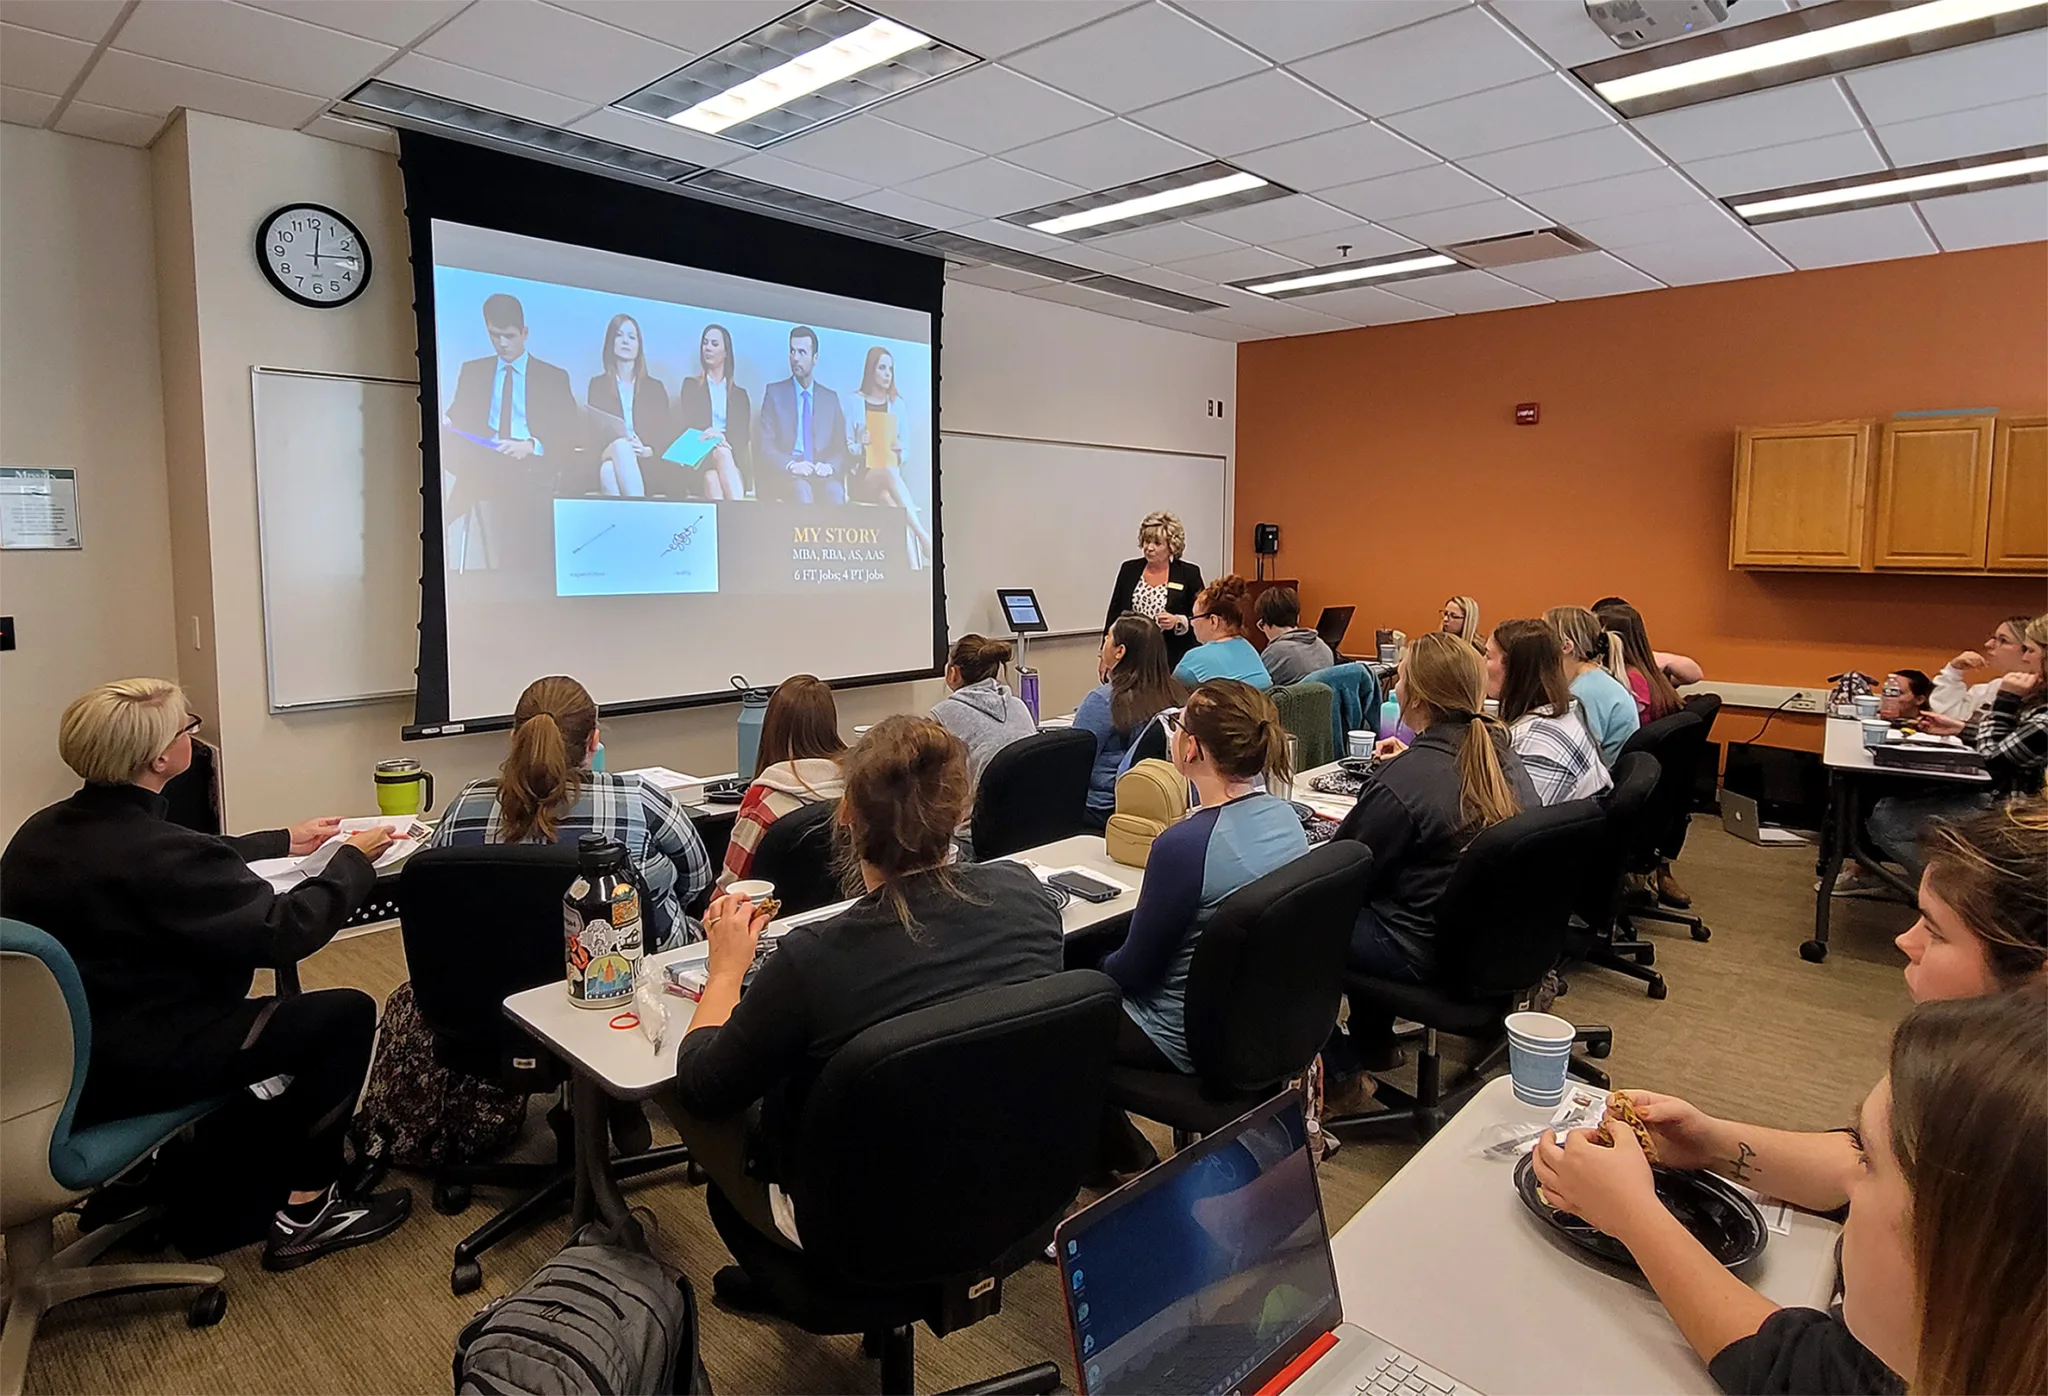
{"type": "Point", "coordinates": [1335, 806]}
{"type": "Point", "coordinates": [1447, 1263]}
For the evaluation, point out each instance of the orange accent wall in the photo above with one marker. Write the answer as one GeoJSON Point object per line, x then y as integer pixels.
{"type": "Point", "coordinates": [1390, 458]}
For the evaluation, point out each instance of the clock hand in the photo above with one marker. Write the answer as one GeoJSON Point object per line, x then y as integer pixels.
{"type": "Point", "coordinates": [316, 247]}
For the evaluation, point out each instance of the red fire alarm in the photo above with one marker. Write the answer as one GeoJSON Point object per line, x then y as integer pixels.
{"type": "Point", "coordinates": [1526, 413]}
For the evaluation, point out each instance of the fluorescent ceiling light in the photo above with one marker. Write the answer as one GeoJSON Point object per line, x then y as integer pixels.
{"type": "Point", "coordinates": [867, 47]}
{"type": "Point", "coordinates": [1896, 188]}
{"type": "Point", "coordinates": [1333, 278]}
{"type": "Point", "coordinates": [1800, 48]}
{"type": "Point", "coordinates": [1237, 183]}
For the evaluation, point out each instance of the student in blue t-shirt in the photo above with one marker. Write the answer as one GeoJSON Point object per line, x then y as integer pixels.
{"type": "Point", "coordinates": [1591, 655]}
{"type": "Point", "coordinates": [1137, 685]}
{"type": "Point", "coordinates": [1224, 653]}
{"type": "Point", "coordinates": [1226, 738]}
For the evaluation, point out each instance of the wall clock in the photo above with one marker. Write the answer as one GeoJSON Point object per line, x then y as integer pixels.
{"type": "Point", "coordinates": [313, 255]}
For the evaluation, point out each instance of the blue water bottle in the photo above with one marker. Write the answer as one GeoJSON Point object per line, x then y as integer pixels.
{"type": "Point", "coordinates": [1390, 715]}
{"type": "Point", "coordinates": [753, 711]}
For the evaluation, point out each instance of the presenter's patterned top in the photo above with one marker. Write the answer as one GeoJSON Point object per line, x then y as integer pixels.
{"type": "Point", "coordinates": [1147, 600]}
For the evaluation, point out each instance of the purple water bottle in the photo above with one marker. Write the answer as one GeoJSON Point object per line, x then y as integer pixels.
{"type": "Point", "coordinates": [1027, 690]}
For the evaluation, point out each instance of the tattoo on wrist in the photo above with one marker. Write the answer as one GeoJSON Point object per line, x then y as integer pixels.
{"type": "Point", "coordinates": [1740, 1167]}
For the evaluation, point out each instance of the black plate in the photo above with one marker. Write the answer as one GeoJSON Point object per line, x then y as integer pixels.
{"type": "Point", "coordinates": [1721, 1218]}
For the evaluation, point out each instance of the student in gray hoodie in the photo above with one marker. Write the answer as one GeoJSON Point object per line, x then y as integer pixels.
{"type": "Point", "coordinates": [1291, 654]}
{"type": "Point", "coordinates": [980, 711]}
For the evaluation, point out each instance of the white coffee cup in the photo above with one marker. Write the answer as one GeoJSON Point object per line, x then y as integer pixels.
{"type": "Point", "coordinates": [754, 889]}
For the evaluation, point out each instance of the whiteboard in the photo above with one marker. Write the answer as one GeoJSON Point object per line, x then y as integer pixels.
{"type": "Point", "coordinates": [338, 517]}
{"type": "Point", "coordinates": [1061, 518]}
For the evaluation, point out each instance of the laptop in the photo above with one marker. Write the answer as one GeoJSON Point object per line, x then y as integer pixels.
{"type": "Point", "coordinates": [1740, 817]}
{"type": "Point", "coordinates": [1332, 624]}
{"type": "Point", "coordinates": [1212, 1274]}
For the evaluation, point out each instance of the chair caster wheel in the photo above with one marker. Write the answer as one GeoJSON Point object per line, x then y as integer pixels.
{"type": "Point", "coordinates": [694, 1174]}
{"type": "Point", "coordinates": [1702, 933]}
{"type": "Point", "coordinates": [1658, 989]}
{"type": "Point", "coordinates": [451, 1199]}
{"type": "Point", "coordinates": [466, 1277]}
{"type": "Point", "coordinates": [1813, 952]}
{"type": "Point", "coordinates": [208, 1307]}
{"type": "Point", "coordinates": [1598, 1050]}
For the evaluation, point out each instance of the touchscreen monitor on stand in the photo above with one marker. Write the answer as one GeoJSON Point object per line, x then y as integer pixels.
{"type": "Point", "coordinates": [1026, 618]}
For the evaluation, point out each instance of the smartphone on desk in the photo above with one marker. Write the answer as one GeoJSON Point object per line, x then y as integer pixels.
{"type": "Point", "coordinates": [1088, 889]}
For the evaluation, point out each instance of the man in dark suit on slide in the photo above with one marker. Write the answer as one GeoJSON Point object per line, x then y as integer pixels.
{"type": "Point", "coordinates": [525, 408]}
{"type": "Point", "coordinates": [801, 450]}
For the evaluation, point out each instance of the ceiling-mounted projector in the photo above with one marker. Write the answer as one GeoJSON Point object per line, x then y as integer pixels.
{"type": "Point", "coordinates": [1633, 23]}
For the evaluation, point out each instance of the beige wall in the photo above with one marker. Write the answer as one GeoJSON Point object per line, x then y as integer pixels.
{"type": "Point", "coordinates": [79, 388]}
{"type": "Point", "coordinates": [1013, 366]}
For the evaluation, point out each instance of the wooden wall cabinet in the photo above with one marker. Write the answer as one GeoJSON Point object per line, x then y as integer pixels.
{"type": "Point", "coordinates": [2018, 537]}
{"type": "Point", "coordinates": [1802, 496]}
{"type": "Point", "coordinates": [1933, 494]}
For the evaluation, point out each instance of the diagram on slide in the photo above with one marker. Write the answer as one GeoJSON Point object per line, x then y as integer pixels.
{"type": "Point", "coordinates": [635, 547]}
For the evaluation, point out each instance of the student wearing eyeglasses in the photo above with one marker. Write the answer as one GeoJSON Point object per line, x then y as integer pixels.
{"type": "Point", "coordinates": [1223, 653]}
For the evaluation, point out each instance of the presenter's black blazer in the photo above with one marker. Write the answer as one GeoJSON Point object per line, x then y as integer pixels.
{"type": "Point", "coordinates": [1183, 580]}
{"type": "Point", "coordinates": [693, 409]}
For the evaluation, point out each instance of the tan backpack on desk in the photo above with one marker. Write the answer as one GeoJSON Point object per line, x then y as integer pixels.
{"type": "Point", "coordinates": [1151, 798]}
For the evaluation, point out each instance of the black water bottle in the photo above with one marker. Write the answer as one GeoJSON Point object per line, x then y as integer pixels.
{"type": "Point", "coordinates": [601, 925]}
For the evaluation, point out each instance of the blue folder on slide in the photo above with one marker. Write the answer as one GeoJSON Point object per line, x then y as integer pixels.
{"type": "Point", "coordinates": [689, 449]}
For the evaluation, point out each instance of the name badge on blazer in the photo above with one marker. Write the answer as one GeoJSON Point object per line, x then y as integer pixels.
{"type": "Point", "coordinates": [1175, 586]}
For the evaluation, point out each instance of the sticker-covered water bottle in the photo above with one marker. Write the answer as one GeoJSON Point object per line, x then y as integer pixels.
{"type": "Point", "coordinates": [601, 926]}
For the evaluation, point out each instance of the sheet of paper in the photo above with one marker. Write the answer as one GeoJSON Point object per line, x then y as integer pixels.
{"type": "Point", "coordinates": [39, 509]}
{"type": "Point", "coordinates": [282, 874]}
{"type": "Point", "coordinates": [1780, 836]}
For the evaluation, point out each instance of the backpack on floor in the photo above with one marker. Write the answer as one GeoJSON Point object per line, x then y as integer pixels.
{"type": "Point", "coordinates": [415, 1112]}
{"type": "Point", "coordinates": [599, 1317]}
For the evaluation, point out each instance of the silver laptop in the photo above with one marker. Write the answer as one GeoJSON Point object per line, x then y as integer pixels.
{"type": "Point", "coordinates": [1740, 817]}
{"type": "Point", "coordinates": [1212, 1274]}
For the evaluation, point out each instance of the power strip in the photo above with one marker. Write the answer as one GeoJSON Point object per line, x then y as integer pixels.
{"type": "Point", "coordinates": [1764, 696]}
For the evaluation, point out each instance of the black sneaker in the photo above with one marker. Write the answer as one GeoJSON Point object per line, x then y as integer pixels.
{"type": "Point", "coordinates": [340, 1223]}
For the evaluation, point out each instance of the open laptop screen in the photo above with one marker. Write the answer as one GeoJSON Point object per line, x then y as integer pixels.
{"type": "Point", "coordinates": [1207, 1275]}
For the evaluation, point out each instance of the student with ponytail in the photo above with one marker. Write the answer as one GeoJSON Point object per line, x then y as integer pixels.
{"type": "Point", "coordinates": [545, 792]}
{"type": "Point", "coordinates": [1599, 677]}
{"type": "Point", "coordinates": [979, 710]}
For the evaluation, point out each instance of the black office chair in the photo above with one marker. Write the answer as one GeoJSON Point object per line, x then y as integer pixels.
{"type": "Point", "coordinates": [797, 855]}
{"type": "Point", "coordinates": [481, 923]}
{"type": "Point", "coordinates": [1677, 741]}
{"type": "Point", "coordinates": [1033, 791]}
{"type": "Point", "coordinates": [947, 1143]}
{"type": "Point", "coordinates": [1262, 992]}
{"type": "Point", "coordinates": [1705, 777]}
{"type": "Point", "coordinates": [1500, 927]}
{"type": "Point", "coordinates": [1607, 939]}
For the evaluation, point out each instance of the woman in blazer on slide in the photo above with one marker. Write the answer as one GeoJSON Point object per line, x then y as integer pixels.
{"type": "Point", "coordinates": [1159, 586]}
{"type": "Point", "coordinates": [711, 402]}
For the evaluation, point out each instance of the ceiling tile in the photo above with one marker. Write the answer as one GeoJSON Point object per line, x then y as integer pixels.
{"type": "Point", "coordinates": [990, 109]}
{"type": "Point", "coordinates": [461, 84]}
{"type": "Point", "coordinates": [632, 129]}
{"type": "Point", "coordinates": [866, 148]}
{"type": "Point", "coordinates": [248, 43]}
{"type": "Point", "coordinates": [773, 169]}
{"type": "Point", "coordinates": [1343, 156]}
{"type": "Point", "coordinates": [399, 22]}
{"type": "Point", "coordinates": [130, 82]}
{"type": "Point", "coordinates": [1284, 32]}
{"type": "Point", "coordinates": [1563, 31]}
{"type": "Point", "coordinates": [1236, 266]}
{"type": "Point", "coordinates": [1322, 249]}
{"type": "Point", "coordinates": [993, 28]}
{"type": "Point", "coordinates": [1065, 294]}
{"type": "Point", "coordinates": [1752, 121]}
{"type": "Point", "coordinates": [39, 62]}
{"type": "Point", "coordinates": [1010, 235]}
{"type": "Point", "coordinates": [1521, 113]}
{"type": "Point", "coordinates": [1369, 305]}
{"type": "Point", "coordinates": [1989, 217]}
{"type": "Point", "coordinates": [1752, 171]}
{"type": "Point", "coordinates": [1956, 79]}
{"type": "Point", "coordinates": [990, 188]}
{"type": "Point", "coordinates": [1702, 218]}
{"type": "Point", "coordinates": [1465, 292]}
{"type": "Point", "coordinates": [106, 124]}
{"type": "Point", "coordinates": [1574, 278]}
{"type": "Point", "coordinates": [1276, 317]}
{"type": "Point", "coordinates": [895, 205]}
{"type": "Point", "coordinates": [1105, 155]}
{"type": "Point", "coordinates": [1858, 235]}
{"type": "Point", "coordinates": [999, 278]}
{"type": "Point", "coordinates": [74, 19]}
{"type": "Point", "coordinates": [1979, 131]}
{"type": "Point", "coordinates": [1137, 59]}
{"type": "Point", "coordinates": [1690, 261]}
{"type": "Point", "coordinates": [552, 49]}
{"type": "Point", "coordinates": [1174, 279]}
{"type": "Point", "coordinates": [1167, 242]}
{"type": "Point", "coordinates": [350, 132]}
{"type": "Point", "coordinates": [1577, 159]}
{"type": "Point", "coordinates": [25, 108]}
{"type": "Point", "coordinates": [696, 27]}
{"type": "Point", "coordinates": [1276, 220]}
{"type": "Point", "coordinates": [1087, 254]}
{"type": "Point", "coordinates": [1261, 110]}
{"type": "Point", "coordinates": [1468, 51]}
{"type": "Point", "coordinates": [1469, 222]}
{"type": "Point", "coordinates": [1607, 198]}
{"type": "Point", "coordinates": [1413, 191]}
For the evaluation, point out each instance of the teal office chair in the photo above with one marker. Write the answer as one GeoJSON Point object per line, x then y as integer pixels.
{"type": "Point", "coordinates": [47, 1166]}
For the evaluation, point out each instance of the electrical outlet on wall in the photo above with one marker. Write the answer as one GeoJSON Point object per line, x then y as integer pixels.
{"type": "Point", "coordinates": [1806, 701]}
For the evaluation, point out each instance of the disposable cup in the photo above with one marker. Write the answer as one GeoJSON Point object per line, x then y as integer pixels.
{"type": "Point", "coordinates": [1866, 705]}
{"type": "Point", "coordinates": [754, 889]}
{"type": "Point", "coordinates": [1539, 1050]}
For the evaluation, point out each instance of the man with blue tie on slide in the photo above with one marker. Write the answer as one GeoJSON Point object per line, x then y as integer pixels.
{"type": "Point", "coordinates": [801, 452]}
{"type": "Point", "coordinates": [515, 423]}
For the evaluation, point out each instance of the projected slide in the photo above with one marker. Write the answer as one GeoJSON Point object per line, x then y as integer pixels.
{"type": "Point", "coordinates": [654, 477]}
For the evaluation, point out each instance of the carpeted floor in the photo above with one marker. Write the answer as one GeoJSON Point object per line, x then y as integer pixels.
{"type": "Point", "coordinates": [1749, 1029]}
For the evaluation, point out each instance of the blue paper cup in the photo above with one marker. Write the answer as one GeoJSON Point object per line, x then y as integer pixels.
{"type": "Point", "coordinates": [1539, 1050]}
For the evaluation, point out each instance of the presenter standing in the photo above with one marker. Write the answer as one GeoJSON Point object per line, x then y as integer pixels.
{"type": "Point", "coordinates": [1160, 585]}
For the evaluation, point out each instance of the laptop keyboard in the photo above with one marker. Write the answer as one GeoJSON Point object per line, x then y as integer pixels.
{"type": "Point", "coordinates": [1401, 1375]}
